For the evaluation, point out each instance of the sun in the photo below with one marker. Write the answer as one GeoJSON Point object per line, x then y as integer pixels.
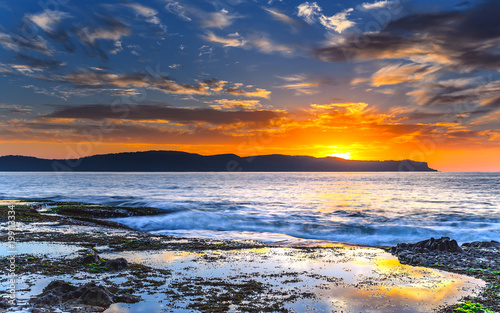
{"type": "Point", "coordinates": [342, 155]}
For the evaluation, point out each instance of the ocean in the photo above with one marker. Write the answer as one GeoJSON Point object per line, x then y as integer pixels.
{"type": "Point", "coordinates": [361, 208]}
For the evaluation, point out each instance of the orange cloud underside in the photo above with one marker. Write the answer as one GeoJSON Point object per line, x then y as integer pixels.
{"type": "Point", "coordinates": [349, 128]}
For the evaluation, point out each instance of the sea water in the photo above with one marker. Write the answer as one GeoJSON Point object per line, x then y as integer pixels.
{"type": "Point", "coordinates": [363, 208]}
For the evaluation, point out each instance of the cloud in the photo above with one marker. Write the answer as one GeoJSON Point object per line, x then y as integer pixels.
{"type": "Point", "coordinates": [102, 79]}
{"type": "Point", "coordinates": [377, 5]}
{"type": "Point", "coordinates": [258, 93]}
{"type": "Point", "coordinates": [148, 13]}
{"type": "Point", "coordinates": [30, 66]}
{"type": "Point", "coordinates": [178, 9]}
{"type": "Point", "coordinates": [311, 13]}
{"type": "Point", "coordinates": [39, 63]}
{"type": "Point", "coordinates": [223, 104]}
{"type": "Point", "coordinates": [215, 84]}
{"type": "Point", "coordinates": [461, 39]}
{"type": "Point", "coordinates": [260, 42]}
{"type": "Point", "coordinates": [337, 22]}
{"type": "Point", "coordinates": [300, 84]}
{"type": "Point", "coordinates": [17, 43]}
{"type": "Point", "coordinates": [266, 45]}
{"type": "Point", "coordinates": [400, 73]}
{"type": "Point", "coordinates": [220, 19]}
{"type": "Point", "coordinates": [15, 109]}
{"type": "Point", "coordinates": [350, 107]}
{"type": "Point", "coordinates": [163, 112]}
{"type": "Point", "coordinates": [111, 29]}
{"type": "Point", "coordinates": [282, 17]}
{"type": "Point", "coordinates": [226, 42]}
{"type": "Point", "coordinates": [48, 19]}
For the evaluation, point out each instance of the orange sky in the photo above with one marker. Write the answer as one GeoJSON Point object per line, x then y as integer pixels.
{"type": "Point", "coordinates": [322, 130]}
{"type": "Point", "coordinates": [371, 80]}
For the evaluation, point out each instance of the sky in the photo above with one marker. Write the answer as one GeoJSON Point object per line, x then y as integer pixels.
{"type": "Point", "coordinates": [366, 80]}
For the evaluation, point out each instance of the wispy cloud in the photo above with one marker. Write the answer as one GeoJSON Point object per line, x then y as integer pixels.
{"type": "Point", "coordinates": [279, 16]}
{"type": "Point", "coordinates": [337, 22]}
{"type": "Point", "coordinates": [150, 14]}
{"type": "Point", "coordinates": [401, 73]}
{"type": "Point", "coordinates": [258, 93]}
{"type": "Point", "coordinates": [15, 108]}
{"type": "Point", "coordinates": [18, 42]}
{"type": "Point", "coordinates": [178, 9]}
{"type": "Point", "coordinates": [377, 5]}
{"type": "Point", "coordinates": [219, 20]}
{"type": "Point", "coordinates": [311, 13]}
{"type": "Point", "coordinates": [350, 107]}
{"type": "Point", "coordinates": [111, 29]}
{"type": "Point", "coordinates": [225, 104]}
{"type": "Point", "coordinates": [264, 44]}
{"type": "Point", "coordinates": [101, 79]}
{"type": "Point", "coordinates": [47, 20]}
{"type": "Point", "coordinates": [232, 41]}
{"type": "Point", "coordinates": [260, 42]}
{"type": "Point", "coordinates": [300, 84]}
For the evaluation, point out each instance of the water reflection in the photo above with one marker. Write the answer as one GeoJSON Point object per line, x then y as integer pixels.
{"type": "Point", "coordinates": [341, 278]}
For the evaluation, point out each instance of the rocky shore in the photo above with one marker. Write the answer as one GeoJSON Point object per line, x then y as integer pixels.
{"type": "Point", "coordinates": [102, 282]}
{"type": "Point", "coordinates": [478, 259]}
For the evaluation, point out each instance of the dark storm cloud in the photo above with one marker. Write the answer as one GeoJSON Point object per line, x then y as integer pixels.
{"type": "Point", "coordinates": [468, 38]}
{"type": "Point", "coordinates": [163, 112]}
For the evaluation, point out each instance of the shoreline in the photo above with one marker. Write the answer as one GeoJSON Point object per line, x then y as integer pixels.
{"type": "Point", "coordinates": [71, 221]}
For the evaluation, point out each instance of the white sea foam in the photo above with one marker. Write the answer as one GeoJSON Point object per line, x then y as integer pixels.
{"type": "Point", "coordinates": [366, 208]}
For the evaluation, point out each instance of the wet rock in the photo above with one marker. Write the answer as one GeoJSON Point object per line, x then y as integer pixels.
{"type": "Point", "coordinates": [96, 296]}
{"type": "Point", "coordinates": [4, 303]}
{"type": "Point", "coordinates": [445, 252]}
{"type": "Point", "coordinates": [126, 298]}
{"type": "Point", "coordinates": [60, 292]}
{"type": "Point", "coordinates": [444, 244]}
{"type": "Point", "coordinates": [91, 258]}
{"type": "Point", "coordinates": [54, 293]}
{"type": "Point", "coordinates": [46, 298]}
{"type": "Point", "coordinates": [116, 264]}
{"type": "Point", "coordinates": [59, 287]}
{"type": "Point", "coordinates": [483, 244]}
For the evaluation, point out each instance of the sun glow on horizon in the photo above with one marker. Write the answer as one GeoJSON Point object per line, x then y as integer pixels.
{"type": "Point", "coordinates": [342, 155]}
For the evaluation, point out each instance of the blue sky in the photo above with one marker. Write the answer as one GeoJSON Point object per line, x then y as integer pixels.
{"type": "Point", "coordinates": [204, 76]}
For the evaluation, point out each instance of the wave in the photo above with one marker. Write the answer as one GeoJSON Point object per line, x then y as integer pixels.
{"type": "Point", "coordinates": [227, 225]}
{"type": "Point", "coordinates": [365, 208]}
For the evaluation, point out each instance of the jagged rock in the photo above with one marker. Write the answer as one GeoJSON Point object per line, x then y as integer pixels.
{"type": "Point", "coordinates": [59, 291]}
{"type": "Point", "coordinates": [445, 252]}
{"type": "Point", "coordinates": [46, 298]}
{"type": "Point", "coordinates": [483, 244]}
{"type": "Point", "coordinates": [444, 244]}
{"type": "Point", "coordinates": [59, 287]}
{"type": "Point", "coordinates": [96, 295]}
{"type": "Point", "coordinates": [116, 264]}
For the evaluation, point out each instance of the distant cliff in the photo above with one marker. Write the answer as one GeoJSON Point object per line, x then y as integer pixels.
{"type": "Point", "coordinates": [176, 161]}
